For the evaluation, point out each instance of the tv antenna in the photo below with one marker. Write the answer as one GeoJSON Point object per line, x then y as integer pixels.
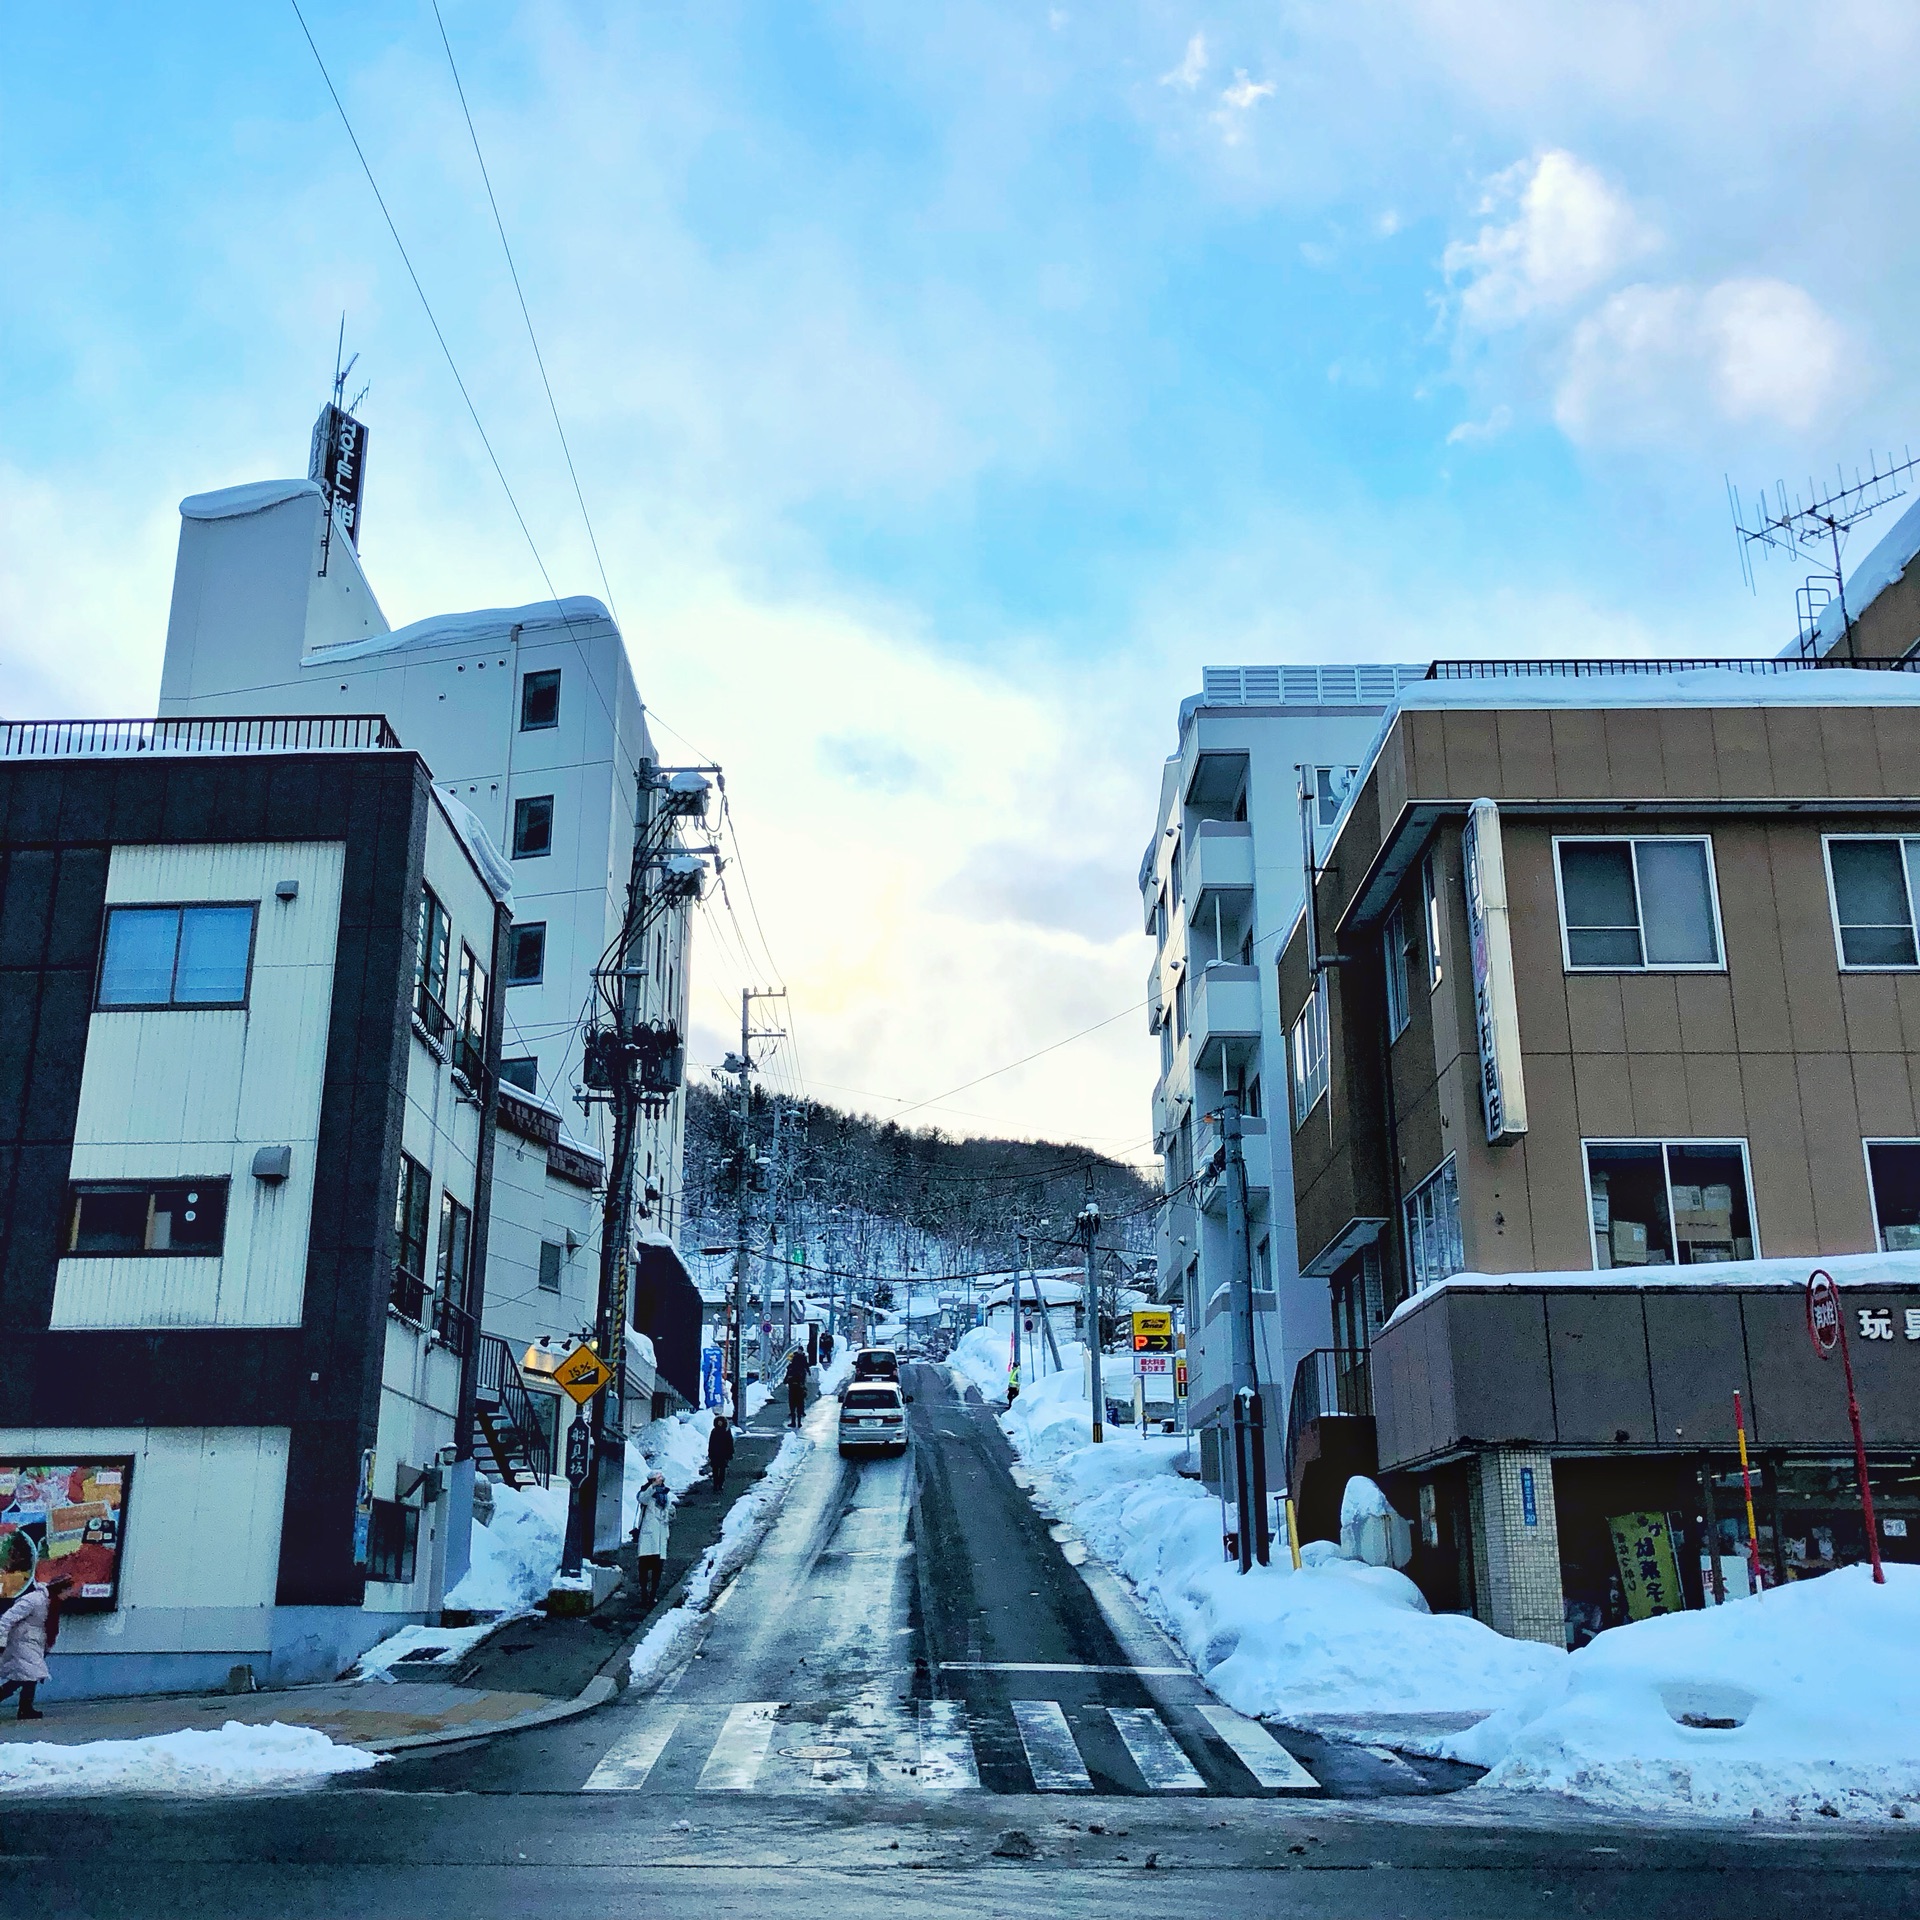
{"type": "Point", "coordinates": [1817, 522]}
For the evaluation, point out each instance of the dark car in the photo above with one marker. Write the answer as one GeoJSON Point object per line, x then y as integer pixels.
{"type": "Point", "coordinates": [876, 1363]}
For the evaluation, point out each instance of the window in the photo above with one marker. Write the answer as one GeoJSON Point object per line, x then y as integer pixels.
{"type": "Point", "coordinates": [533, 827]}
{"type": "Point", "coordinates": [1397, 952]}
{"type": "Point", "coordinates": [527, 955]}
{"type": "Point", "coordinates": [523, 1073]}
{"type": "Point", "coordinates": [411, 1198]}
{"type": "Point", "coordinates": [1251, 1107]}
{"type": "Point", "coordinates": [453, 1310]}
{"type": "Point", "coordinates": [393, 1542]}
{"type": "Point", "coordinates": [540, 701]}
{"type": "Point", "coordinates": [470, 1048]}
{"type": "Point", "coordinates": [1330, 788]}
{"type": "Point", "coordinates": [1658, 1203]}
{"type": "Point", "coordinates": [1893, 1176]}
{"type": "Point", "coordinates": [1433, 1230]}
{"type": "Point", "coordinates": [1630, 905]}
{"type": "Point", "coordinates": [1430, 904]}
{"type": "Point", "coordinates": [1307, 1049]}
{"type": "Point", "coordinates": [1874, 885]}
{"type": "Point", "coordinates": [430, 964]}
{"type": "Point", "coordinates": [552, 1255]}
{"type": "Point", "coordinates": [132, 1216]}
{"type": "Point", "coordinates": [176, 956]}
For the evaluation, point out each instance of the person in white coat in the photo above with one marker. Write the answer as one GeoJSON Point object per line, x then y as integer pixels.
{"type": "Point", "coordinates": [650, 1536]}
{"type": "Point", "coordinates": [28, 1629]}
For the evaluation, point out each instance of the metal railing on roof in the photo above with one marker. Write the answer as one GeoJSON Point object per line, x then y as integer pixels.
{"type": "Point", "coordinates": [1362, 684]}
{"type": "Point", "coordinates": [1578, 669]}
{"type": "Point", "coordinates": [211, 733]}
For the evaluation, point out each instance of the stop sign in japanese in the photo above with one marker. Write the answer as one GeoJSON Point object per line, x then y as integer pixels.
{"type": "Point", "coordinates": [1823, 1311]}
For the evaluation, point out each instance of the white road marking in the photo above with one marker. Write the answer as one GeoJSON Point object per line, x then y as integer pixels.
{"type": "Point", "coordinates": [1057, 1666]}
{"type": "Point", "coordinates": [1155, 1751]}
{"type": "Point", "coordinates": [625, 1765]}
{"type": "Point", "coordinates": [947, 1763]}
{"type": "Point", "coordinates": [1388, 1758]}
{"type": "Point", "coordinates": [1259, 1752]}
{"type": "Point", "coordinates": [1051, 1754]}
{"type": "Point", "coordinates": [734, 1763]}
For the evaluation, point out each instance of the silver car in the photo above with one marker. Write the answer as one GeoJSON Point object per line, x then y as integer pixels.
{"type": "Point", "coordinates": [873, 1418]}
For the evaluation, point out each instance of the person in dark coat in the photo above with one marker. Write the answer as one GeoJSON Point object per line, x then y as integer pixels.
{"type": "Point", "coordinates": [719, 1451]}
{"type": "Point", "coordinates": [796, 1386]}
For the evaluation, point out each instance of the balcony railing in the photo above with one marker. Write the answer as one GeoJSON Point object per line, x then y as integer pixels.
{"type": "Point", "coordinates": [408, 1296]}
{"type": "Point", "coordinates": [453, 1327]}
{"type": "Point", "coordinates": [216, 733]}
{"type": "Point", "coordinates": [1578, 669]}
{"type": "Point", "coordinates": [1329, 1383]}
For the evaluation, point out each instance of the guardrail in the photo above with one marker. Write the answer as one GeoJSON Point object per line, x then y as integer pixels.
{"type": "Point", "coordinates": [212, 733]}
{"type": "Point", "coordinates": [1329, 1383]}
{"type": "Point", "coordinates": [1576, 669]}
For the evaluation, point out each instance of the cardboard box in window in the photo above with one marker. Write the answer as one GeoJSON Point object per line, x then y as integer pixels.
{"type": "Point", "coordinates": [1901, 1239]}
{"type": "Point", "coordinates": [1712, 1226]}
{"type": "Point", "coordinates": [1629, 1243]}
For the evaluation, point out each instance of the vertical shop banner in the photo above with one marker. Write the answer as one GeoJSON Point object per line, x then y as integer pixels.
{"type": "Point", "coordinates": [713, 1377]}
{"type": "Point", "coordinates": [64, 1517]}
{"type": "Point", "coordinates": [338, 460]}
{"type": "Point", "coordinates": [1649, 1573]}
{"type": "Point", "coordinates": [1496, 1009]}
{"type": "Point", "coordinates": [363, 1510]}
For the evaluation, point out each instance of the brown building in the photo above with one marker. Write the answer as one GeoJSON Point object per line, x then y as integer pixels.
{"type": "Point", "coordinates": [1614, 1035]}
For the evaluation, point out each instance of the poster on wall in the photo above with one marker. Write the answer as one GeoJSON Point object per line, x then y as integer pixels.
{"type": "Point", "coordinates": [64, 1517]}
{"type": "Point", "coordinates": [1649, 1568]}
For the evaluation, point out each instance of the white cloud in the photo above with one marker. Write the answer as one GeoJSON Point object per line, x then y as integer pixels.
{"type": "Point", "coordinates": [1470, 432]}
{"type": "Point", "coordinates": [1654, 359]}
{"type": "Point", "coordinates": [1236, 102]}
{"type": "Point", "coordinates": [1569, 232]}
{"type": "Point", "coordinates": [1192, 68]}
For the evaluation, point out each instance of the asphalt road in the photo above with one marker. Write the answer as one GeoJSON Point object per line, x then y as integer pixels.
{"type": "Point", "coordinates": [910, 1701]}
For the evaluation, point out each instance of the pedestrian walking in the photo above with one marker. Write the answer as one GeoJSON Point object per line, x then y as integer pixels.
{"type": "Point", "coordinates": [719, 1451]}
{"type": "Point", "coordinates": [28, 1630]}
{"type": "Point", "coordinates": [650, 1536]}
{"type": "Point", "coordinates": [826, 1349]}
{"type": "Point", "coordinates": [796, 1386]}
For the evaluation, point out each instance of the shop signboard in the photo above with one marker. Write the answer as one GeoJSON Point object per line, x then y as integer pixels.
{"type": "Point", "coordinates": [1496, 1010]}
{"type": "Point", "coordinates": [713, 1377]}
{"type": "Point", "coordinates": [1153, 1330]}
{"type": "Point", "coordinates": [579, 1449]}
{"type": "Point", "coordinates": [1153, 1366]}
{"type": "Point", "coordinates": [363, 1510]}
{"type": "Point", "coordinates": [64, 1517]}
{"type": "Point", "coordinates": [1649, 1571]}
{"type": "Point", "coordinates": [1180, 1376]}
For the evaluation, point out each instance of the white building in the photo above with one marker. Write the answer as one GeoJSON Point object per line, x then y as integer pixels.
{"type": "Point", "coordinates": [1221, 883]}
{"type": "Point", "coordinates": [530, 716]}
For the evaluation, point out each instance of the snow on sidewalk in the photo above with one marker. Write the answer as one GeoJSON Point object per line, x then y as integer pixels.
{"type": "Point", "coordinates": [1803, 1702]}
{"type": "Point", "coordinates": [237, 1758]}
{"type": "Point", "coordinates": [516, 1555]}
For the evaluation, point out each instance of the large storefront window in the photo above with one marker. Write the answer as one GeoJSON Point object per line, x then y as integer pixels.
{"type": "Point", "coordinates": [1665, 1203]}
{"type": "Point", "coordinates": [1893, 1172]}
{"type": "Point", "coordinates": [1433, 1230]}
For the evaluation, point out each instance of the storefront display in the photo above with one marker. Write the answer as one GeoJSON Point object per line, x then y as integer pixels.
{"type": "Point", "coordinates": [64, 1517]}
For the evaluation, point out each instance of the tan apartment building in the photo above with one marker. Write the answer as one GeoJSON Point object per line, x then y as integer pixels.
{"type": "Point", "coordinates": [1613, 1035]}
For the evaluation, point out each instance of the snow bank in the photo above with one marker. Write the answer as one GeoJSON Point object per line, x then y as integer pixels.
{"type": "Point", "coordinates": [235, 503]}
{"type": "Point", "coordinates": [414, 1648]}
{"type": "Point", "coordinates": [235, 1759]}
{"type": "Point", "coordinates": [489, 624]}
{"type": "Point", "coordinates": [1335, 1637]}
{"type": "Point", "coordinates": [1818, 1676]}
{"type": "Point", "coordinates": [487, 858]}
{"type": "Point", "coordinates": [741, 1532]}
{"type": "Point", "coordinates": [516, 1555]}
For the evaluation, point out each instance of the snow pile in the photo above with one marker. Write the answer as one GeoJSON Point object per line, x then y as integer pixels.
{"type": "Point", "coordinates": [236, 1758]}
{"type": "Point", "coordinates": [413, 1648]}
{"type": "Point", "coordinates": [1817, 1679]}
{"type": "Point", "coordinates": [235, 503]}
{"type": "Point", "coordinates": [741, 1532]}
{"type": "Point", "coordinates": [1335, 1637]}
{"type": "Point", "coordinates": [516, 1555]}
{"type": "Point", "coordinates": [979, 1359]}
{"type": "Point", "coordinates": [492, 864]}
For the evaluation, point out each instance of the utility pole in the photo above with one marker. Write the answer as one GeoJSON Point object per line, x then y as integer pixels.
{"type": "Point", "coordinates": [1249, 1417]}
{"type": "Point", "coordinates": [742, 1064]}
{"type": "Point", "coordinates": [1019, 1283]}
{"type": "Point", "coordinates": [1089, 1227]}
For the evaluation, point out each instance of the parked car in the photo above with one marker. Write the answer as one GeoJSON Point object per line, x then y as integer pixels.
{"type": "Point", "coordinates": [876, 1363]}
{"type": "Point", "coordinates": [873, 1418]}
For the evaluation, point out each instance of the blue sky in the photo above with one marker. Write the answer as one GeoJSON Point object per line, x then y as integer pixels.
{"type": "Point", "coordinates": [949, 384]}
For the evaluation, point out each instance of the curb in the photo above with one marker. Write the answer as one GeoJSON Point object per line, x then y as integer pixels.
{"type": "Point", "coordinates": [596, 1693]}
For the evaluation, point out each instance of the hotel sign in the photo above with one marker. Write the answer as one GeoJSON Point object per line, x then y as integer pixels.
{"type": "Point", "coordinates": [1496, 1013]}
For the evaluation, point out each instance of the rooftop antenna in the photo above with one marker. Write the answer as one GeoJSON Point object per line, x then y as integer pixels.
{"type": "Point", "coordinates": [1816, 522]}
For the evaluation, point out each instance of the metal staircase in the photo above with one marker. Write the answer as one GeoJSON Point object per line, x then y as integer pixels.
{"type": "Point", "coordinates": [507, 1434]}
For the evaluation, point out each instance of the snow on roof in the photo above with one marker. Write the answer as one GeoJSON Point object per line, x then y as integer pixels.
{"type": "Point", "coordinates": [486, 857]}
{"type": "Point", "coordinates": [233, 503]}
{"type": "Point", "coordinates": [464, 629]}
{"type": "Point", "coordinates": [1885, 565]}
{"type": "Point", "coordinates": [1847, 1269]}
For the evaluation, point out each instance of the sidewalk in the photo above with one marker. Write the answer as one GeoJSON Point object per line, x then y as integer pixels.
{"type": "Point", "coordinates": [527, 1672]}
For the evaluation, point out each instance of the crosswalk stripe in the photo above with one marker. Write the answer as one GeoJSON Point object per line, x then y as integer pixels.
{"type": "Point", "coordinates": [625, 1765]}
{"type": "Point", "coordinates": [947, 1762]}
{"type": "Point", "coordinates": [1259, 1752]}
{"type": "Point", "coordinates": [1052, 1757]}
{"type": "Point", "coordinates": [734, 1763]}
{"type": "Point", "coordinates": [1155, 1751]}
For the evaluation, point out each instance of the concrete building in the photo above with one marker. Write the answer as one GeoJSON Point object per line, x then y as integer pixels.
{"type": "Point", "coordinates": [1220, 882]}
{"type": "Point", "coordinates": [248, 999]}
{"type": "Point", "coordinates": [1618, 1034]}
{"type": "Point", "coordinates": [530, 717]}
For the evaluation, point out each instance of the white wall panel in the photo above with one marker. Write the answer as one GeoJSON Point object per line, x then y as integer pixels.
{"type": "Point", "coordinates": [183, 1092]}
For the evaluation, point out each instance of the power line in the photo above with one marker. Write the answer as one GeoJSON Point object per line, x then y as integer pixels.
{"type": "Point", "coordinates": [1039, 1052]}
{"type": "Point", "coordinates": [539, 359]}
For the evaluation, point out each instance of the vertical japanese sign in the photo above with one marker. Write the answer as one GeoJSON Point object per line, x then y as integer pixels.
{"type": "Point", "coordinates": [1649, 1573]}
{"type": "Point", "coordinates": [1496, 1010]}
{"type": "Point", "coordinates": [713, 1377]}
{"type": "Point", "coordinates": [338, 460]}
{"type": "Point", "coordinates": [363, 1509]}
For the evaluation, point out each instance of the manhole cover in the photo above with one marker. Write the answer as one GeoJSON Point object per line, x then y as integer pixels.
{"type": "Point", "coordinates": [817, 1753]}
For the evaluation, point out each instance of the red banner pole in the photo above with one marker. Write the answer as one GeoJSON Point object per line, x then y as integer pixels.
{"type": "Point", "coordinates": [1860, 1460]}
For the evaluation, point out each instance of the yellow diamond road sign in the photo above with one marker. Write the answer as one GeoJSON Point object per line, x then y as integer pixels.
{"type": "Point", "coordinates": [583, 1373]}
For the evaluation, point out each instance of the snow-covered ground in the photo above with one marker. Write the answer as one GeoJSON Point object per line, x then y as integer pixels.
{"type": "Point", "coordinates": [515, 1556]}
{"type": "Point", "coordinates": [1817, 1679]}
{"type": "Point", "coordinates": [418, 1651]}
{"type": "Point", "coordinates": [238, 1758]}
